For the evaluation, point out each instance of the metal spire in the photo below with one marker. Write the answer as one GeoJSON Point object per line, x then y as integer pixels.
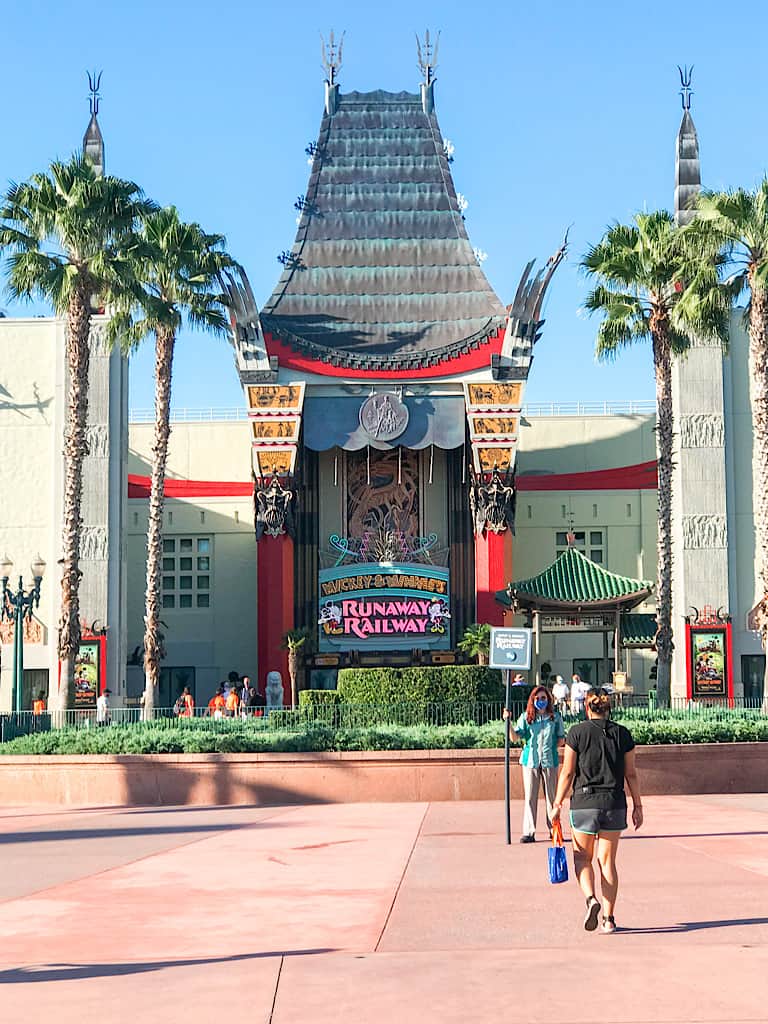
{"type": "Point", "coordinates": [93, 141]}
{"type": "Point", "coordinates": [427, 53]}
{"type": "Point", "coordinates": [687, 163]}
{"type": "Point", "coordinates": [331, 56]}
{"type": "Point", "coordinates": [427, 56]}
{"type": "Point", "coordinates": [686, 74]}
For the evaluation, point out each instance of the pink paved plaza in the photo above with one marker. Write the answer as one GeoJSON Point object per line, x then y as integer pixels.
{"type": "Point", "coordinates": [373, 913]}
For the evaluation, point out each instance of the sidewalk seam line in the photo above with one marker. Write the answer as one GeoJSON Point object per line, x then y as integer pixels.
{"type": "Point", "coordinates": [402, 877]}
{"type": "Point", "coordinates": [277, 986]}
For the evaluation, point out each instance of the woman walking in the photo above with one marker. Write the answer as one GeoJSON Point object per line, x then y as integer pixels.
{"type": "Point", "coordinates": [599, 759]}
{"type": "Point", "coordinates": [541, 726]}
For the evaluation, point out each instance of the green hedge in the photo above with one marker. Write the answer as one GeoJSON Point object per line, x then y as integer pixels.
{"type": "Point", "coordinates": [252, 736]}
{"type": "Point", "coordinates": [319, 698]}
{"type": "Point", "coordinates": [433, 685]}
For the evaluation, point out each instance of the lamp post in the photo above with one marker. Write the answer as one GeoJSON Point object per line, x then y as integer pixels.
{"type": "Point", "coordinates": [16, 606]}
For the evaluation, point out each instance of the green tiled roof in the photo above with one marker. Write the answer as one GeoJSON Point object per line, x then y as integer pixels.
{"type": "Point", "coordinates": [575, 579]}
{"type": "Point", "coordinates": [382, 273]}
{"type": "Point", "coordinates": [638, 630]}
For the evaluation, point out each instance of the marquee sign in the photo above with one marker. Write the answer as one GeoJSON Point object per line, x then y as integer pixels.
{"type": "Point", "coordinates": [380, 606]}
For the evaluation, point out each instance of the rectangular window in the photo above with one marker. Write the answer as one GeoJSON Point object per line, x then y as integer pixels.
{"type": "Point", "coordinates": [594, 550]}
{"type": "Point", "coordinates": [183, 587]}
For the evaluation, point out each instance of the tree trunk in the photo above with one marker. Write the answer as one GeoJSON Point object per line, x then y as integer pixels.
{"type": "Point", "coordinates": [758, 394]}
{"type": "Point", "coordinates": [662, 361]}
{"type": "Point", "coordinates": [77, 358]}
{"type": "Point", "coordinates": [164, 343]}
{"type": "Point", "coordinates": [293, 659]}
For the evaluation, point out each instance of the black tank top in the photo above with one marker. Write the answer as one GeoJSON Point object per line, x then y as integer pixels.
{"type": "Point", "coordinates": [600, 746]}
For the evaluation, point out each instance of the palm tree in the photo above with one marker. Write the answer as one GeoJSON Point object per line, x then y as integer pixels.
{"type": "Point", "coordinates": [178, 276]}
{"type": "Point", "coordinates": [293, 640]}
{"type": "Point", "coordinates": [62, 231]}
{"type": "Point", "coordinates": [476, 642]}
{"type": "Point", "coordinates": [655, 283]}
{"type": "Point", "coordinates": [739, 221]}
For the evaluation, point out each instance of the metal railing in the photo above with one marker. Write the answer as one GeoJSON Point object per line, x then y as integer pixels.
{"type": "Point", "coordinates": [630, 407]}
{"type": "Point", "coordinates": [627, 708]}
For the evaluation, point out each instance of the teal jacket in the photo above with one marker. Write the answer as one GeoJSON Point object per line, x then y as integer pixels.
{"type": "Point", "coordinates": [541, 738]}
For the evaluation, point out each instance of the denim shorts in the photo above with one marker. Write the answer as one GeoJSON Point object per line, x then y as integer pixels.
{"type": "Point", "coordinates": [594, 820]}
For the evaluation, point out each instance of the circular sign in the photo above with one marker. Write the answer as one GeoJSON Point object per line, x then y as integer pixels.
{"type": "Point", "coordinates": [384, 416]}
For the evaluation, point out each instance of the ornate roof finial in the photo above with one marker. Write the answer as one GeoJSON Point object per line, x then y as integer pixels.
{"type": "Point", "coordinates": [93, 141]}
{"type": "Point", "coordinates": [94, 81]}
{"type": "Point", "coordinates": [427, 56]}
{"type": "Point", "coordinates": [686, 75]}
{"type": "Point", "coordinates": [331, 56]}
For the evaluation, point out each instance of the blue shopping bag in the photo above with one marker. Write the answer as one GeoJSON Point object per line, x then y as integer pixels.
{"type": "Point", "coordinates": [556, 859]}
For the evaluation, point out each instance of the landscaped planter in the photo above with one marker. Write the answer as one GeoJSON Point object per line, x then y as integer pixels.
{"type": "Point", "coordinates": [345, 777]}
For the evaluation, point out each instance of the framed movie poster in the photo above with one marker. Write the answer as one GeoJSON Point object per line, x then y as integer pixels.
{"type": "Point", "coordinates": [90, 668]}
{"type": "Point", "coordinates": [709, 662]}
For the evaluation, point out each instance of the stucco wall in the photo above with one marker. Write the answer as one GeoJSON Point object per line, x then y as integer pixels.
{"type": "Point", "coordinates": [28, 452]}
{"type": "Point", "coordinates": [222, 637]}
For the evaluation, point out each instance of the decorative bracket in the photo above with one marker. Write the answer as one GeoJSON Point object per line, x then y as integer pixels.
{"type": "Point", "coordinates": [524, 323]}
{"type": "Point", "coordinates": [251, 356]}
{"type": "Point", "coordinates": [492, 502]}
{"type": "Point", "coordinates": [273, 508]}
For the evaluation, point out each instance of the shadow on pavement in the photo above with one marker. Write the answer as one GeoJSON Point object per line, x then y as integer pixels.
{"type": "Point", "coordinates": [78, 972]}
{"type": "Point", "coordinates": [693, 926]}
{"type": "Point", "coordinates": [54, 835]}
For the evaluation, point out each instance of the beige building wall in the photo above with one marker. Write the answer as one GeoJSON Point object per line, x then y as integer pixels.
{"type": "Point", "coordinates": [28, 456]}
{"type": "Point", "coordinates": [625, 520]}
{"type": "Point", "coordinates": [221, 637]}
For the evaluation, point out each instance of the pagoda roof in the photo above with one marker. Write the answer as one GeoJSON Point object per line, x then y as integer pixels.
{"type": "Point", "coordinates": [638, 630]}
{"type": "Point", "coordinates": [382, 274]}
{"type": "Point", "coordinates": [574, 581]}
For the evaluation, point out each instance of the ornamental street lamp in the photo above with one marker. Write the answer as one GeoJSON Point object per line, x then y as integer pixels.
{"type": "Point", "coordinates": [16, 606]}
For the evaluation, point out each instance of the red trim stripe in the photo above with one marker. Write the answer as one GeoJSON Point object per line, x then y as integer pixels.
{"type": "Point", "coordinates": [641, 477]}
{"type": "Point", "coordinates": [476, 359]}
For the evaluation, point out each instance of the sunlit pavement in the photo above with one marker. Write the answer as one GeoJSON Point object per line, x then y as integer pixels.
{"type": "Point", "coordinates": [375, 912]}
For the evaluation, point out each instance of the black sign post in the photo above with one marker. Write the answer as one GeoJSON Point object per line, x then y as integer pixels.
{"type": "Point", "coordinates": [510, 646]}
{"type": "Point", "coordinates": [507, 727]}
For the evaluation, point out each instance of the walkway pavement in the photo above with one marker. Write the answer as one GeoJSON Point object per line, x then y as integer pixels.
{"type": "Point", "coordinates": [375, 913]}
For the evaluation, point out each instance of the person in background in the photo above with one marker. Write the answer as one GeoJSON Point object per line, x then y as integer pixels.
{"type": "Point", "coordinates": [579, 691]}
{"type": "Point", "coordinates": [38, 705]}
{"type": "Point", "coordinates": [217, 703]}
{"type": "Point", "coordinates": [518, 679]}
{"type": "Point", "coordinates": [102, 707]}
{"type": "Point", "coordinates": [254, 703]}
{"type": "Point", "coordinates": [233, 678]}
{"type": "Point", "coordinates": [541, 726]}
{"type": "Point", "coordinates": [185, 705]}
{"type": "Point", "coordinates": [560, 693]}
{"type": "Point", "coordinates": [599, 759]}
{"type": "Point", "coordinates": [232, 702]}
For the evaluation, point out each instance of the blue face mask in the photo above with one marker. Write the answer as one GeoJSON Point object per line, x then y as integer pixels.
{"type": "Point", "coordinates": [541, 704]}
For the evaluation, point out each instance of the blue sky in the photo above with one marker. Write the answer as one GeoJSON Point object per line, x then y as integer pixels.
{"type": "Point", "coordinates": [560, 114]}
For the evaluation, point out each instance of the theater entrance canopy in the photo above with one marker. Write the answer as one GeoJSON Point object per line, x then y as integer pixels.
{"type": "Point", "coordinates": [575, 594]}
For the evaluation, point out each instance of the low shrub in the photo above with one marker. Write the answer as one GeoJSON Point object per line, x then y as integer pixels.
{"type": "Point", "coordinates": [354, 733]}
{"type": "Point", "coordinates": [437, 684]}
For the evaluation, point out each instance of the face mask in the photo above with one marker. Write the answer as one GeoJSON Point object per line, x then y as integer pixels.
{"type": "Point", "coordinates": [540, 704]}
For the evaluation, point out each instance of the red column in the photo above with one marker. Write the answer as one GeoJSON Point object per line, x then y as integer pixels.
{"type": "Point", "coordinates": [275, 607]}
{"type": "Point", "coordinates": [493, 571]}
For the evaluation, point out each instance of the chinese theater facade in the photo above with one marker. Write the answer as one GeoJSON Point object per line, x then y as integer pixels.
{"type": "Point", "coordinates": [384, 380]}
